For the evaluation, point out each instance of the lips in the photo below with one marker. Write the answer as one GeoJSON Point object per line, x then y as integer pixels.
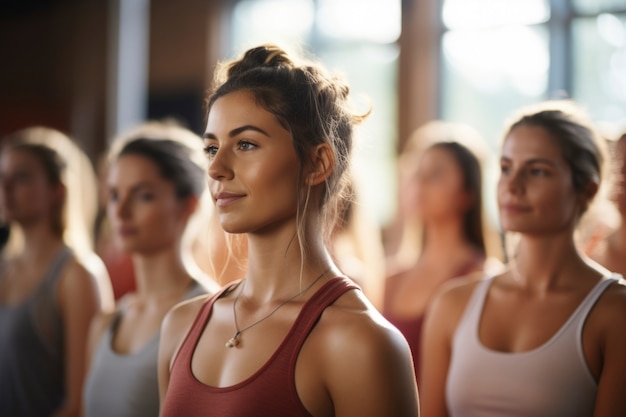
{"type": "Point", "coordinates": [515, 208]}
{"type": "Point", "coordinates": [126, 231]}
{"type": "Point", "coordinates": [225, 198]}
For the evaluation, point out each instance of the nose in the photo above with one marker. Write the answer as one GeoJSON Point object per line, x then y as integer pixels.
{"type": "Point", "coordinates": [513, 182]}
{"type": "Point", "coordinates": [119, 207]}
{"type": "Point", "coordinates": [220, 165]}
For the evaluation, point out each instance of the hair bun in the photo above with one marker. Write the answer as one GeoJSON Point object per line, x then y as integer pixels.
{"type": "Point", "coordinates": [267, 55]}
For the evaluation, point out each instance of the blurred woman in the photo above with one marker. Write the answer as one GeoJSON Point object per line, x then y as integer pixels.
{"type": "Point", "coordinates": [155, 182]}
{"type": "Point", "coordinates": [51, 284]}
{"type": "Point", "coordinates": [445, 226]}
{"type": "Point", "coordinates": [610, 250]}
{"type": "Point", "coordinates": [545, 337]}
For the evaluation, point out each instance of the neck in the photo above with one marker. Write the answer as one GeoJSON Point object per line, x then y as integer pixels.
{"type": "Point", "coordinates": [620, 233]}
{"type": "Point", "coordinates": [544, 262]}
{"type": "Point", "coordinates": [276, 268]}
{"type": "Point", "coordinates": [161, 273]}
{"type": "Point", "coordinates": [39, 243]}
{"type": "Point", "coordinates": [443, 238]}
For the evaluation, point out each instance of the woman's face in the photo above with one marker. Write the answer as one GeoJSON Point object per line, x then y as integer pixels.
{"type": "Point", "coordinates": [535, 190]}
{"type": "Point", "coordinates": [433, 189]}
{"type": "Point", "coordinates": [253, 167]}
{"type": "Point", "coordinates": [26, 194]}
{"type": "Point", "coordinates": [145, 214]}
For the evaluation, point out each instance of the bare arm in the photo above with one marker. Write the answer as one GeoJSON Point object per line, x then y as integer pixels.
{"type": "Point", "coordinates": [610, 397]}
{"type": "Point", "coordinates": [442, 319]}
{"type": "Point", "coordinates": [78, 300]}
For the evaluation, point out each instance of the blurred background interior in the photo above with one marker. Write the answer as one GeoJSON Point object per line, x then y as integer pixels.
{"type": "Point", "coordinates": [93, 68]}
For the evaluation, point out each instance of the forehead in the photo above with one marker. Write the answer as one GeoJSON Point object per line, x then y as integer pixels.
{"type": "Point", "coordinates": [19, 158]}
{"type": "Point", "coordinates": [531, 142]}
{"type": "Point", "coordinates": [130, 168]}
{"type": "Point", "coordinates": [238, 109]}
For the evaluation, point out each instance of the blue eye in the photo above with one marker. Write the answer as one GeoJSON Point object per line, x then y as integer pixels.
{"type": "Point", "coordinates": [210, 150]}
{"type": "Point", "coordinates": [245, 145]}
{"type": "Point", "coordinates": [538, 172]}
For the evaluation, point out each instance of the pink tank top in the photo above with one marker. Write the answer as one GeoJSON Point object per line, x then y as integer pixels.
{"type": "Point", "coordinates": [411, 327]}
{"type": "Point", "coordinates": [270, 391]}
{"type": "Point", "coordinates": [550, 380]}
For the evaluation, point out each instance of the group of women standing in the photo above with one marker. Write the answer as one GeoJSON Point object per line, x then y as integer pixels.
{"type": "Point", "coordinates": [541, 335]}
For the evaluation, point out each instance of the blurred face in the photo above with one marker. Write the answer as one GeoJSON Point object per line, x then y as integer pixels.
{"type": "Point", "coordinates": [252, 166]}
{"type": "Point", "coordinates": [145, 214]}
{"type": "Point", "coordinates": [26, 194]}
{"type": "Point", "coordinates": [433, 189]}
{"type": "Point", "coordinates": [535, 190]}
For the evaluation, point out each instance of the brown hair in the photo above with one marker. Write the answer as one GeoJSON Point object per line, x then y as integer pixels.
{"type": "Point", "coordinates": [308, 102]}
{"type": "Point", "coordinates": [582, 147]}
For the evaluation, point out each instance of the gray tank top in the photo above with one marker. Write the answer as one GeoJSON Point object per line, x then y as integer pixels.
{"type": "Point", "coordinates": [550, 380]}
{"type": "Point", "coordinates": [31, 350]}
{"type": "Point", "coordinates": [125, 385]}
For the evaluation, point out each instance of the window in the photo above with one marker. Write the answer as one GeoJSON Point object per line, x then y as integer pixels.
{"type": "Point", "coordinates": [498, 56]}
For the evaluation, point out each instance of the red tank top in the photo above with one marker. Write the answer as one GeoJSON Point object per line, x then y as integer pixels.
{"type": "Point", "coordinates": [270, 391]}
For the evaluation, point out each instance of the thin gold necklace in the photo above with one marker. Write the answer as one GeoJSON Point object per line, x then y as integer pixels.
{"type": "Point", "coordinates": [234, 341]}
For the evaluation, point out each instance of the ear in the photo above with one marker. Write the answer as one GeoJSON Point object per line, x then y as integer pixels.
{"type": "Point", "coordinates": [189, 206]}
{"type": "Point", "coordinates": [322, 165]}
{"type": "Point", "coordinates": [60, 193]}
{"type": "Point", "coordinates": [587, 194]}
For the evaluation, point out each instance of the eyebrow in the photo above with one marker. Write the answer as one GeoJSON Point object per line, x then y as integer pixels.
{"type": "Point", "coordinates": [138, 187]}
{"type": "Point", "coordinates": [237, 131]}
{"type": "Point", "coordinates": [533, 161]}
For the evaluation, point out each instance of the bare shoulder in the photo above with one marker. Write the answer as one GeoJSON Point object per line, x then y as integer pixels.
{"type": "Point", "coordinates": [77, 283]}
{"type": "Point", "coordinates": [175, 326]}
{"type": "Point", "coordinates": [359, 354]}
{"type": "Point", "coordinates": [353, 316]}
{"type": "Point", "coordinates": [455, 293]}
{"type": "Point", "coordinates": [611, 307]}
{"type": "Point", "coordinates": [351, 332]}
{"type": "Point", "coordinates": [184, 313]}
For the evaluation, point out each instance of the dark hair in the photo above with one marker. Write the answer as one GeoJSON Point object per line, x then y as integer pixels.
{"type": "Point", "coordinates": [581, 146]}
{"type": "Point", "coordinates": [172, 150]}
{"type": "Point", "coordinates": [472, 183]}
{"type": "Point", "coordinates": [306, 101]}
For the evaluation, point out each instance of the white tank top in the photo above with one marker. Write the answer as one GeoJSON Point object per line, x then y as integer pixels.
{"type": "Point", "coordinates": [550, 380]}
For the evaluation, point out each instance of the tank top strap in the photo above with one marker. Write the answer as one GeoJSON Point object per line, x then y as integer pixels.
{"type": "Point", "coordinates": [57, 265]}
{"type": "Point", "coordinates": [580, 314]}
{"type": "Point", "coordinates": [312, 311]}
{"type": "Point", "coordinates": [474, 307]}
{"type": "Point", "coordinates": [195, 331]}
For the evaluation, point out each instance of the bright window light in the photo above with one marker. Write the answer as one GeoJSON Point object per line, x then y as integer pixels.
{"type": "Point", "coordinates": [490, 58]}
{"type": "Point", "coordinates": [459, 14]}
{"type": "Point", "coordinates": [374, 20]}
{"type": "Point", "coordinates": [287, 22]}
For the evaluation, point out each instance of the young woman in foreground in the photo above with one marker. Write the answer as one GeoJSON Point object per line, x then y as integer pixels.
{"type": "Point", "coordinates": [546, 337]}
{"type": "Point", "coordinates": [295, 337]}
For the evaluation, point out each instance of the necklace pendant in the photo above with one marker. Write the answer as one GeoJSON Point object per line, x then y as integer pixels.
{"type": "Point", "coordinates": [233, 341]}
